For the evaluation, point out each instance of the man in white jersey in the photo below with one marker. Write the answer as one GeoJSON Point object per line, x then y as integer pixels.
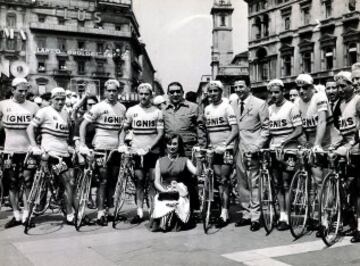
{"type": "Point", "coordinates": [147, 124]}
{"type": "Point", "coordinates": [222, 130]}
{"type": "Point", "coordinates": [108, 117]}
{"type": "Point", "coordinates": [16, 114]}
{"type": "Point", "coordinates": [54, 124]}
{"type": "Point", "coordinates": [317, 124]}
{"type": "Point", "coordinates": [348, 126]}
{"type": "Point", "coordinates": [285, 126]}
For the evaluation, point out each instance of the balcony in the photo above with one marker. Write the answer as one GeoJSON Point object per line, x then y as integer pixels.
{"type": "Point", "coordinates": [327, 23]}
{"type": "Point", "coordinates": [17, 2]}
{"type": "Point", "coordinates": [352, 16]}
{"type": "Point", "coordinates": [74, 29]}
{"type": "Point", "coordinates": [115, 3]}
{"type": "Point", "coordinates": [61, 72]}
{"type": "Point", "coordinates": [233, 70]}
{"type": "Point", "coordinates": [100, 74]}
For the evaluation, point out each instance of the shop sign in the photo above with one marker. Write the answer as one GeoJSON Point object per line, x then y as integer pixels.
{"type": "Point", "coordinates": [18, 69]}
{"type": "Point", "coordinates": [79, 52]}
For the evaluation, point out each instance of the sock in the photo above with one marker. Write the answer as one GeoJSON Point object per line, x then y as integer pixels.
{"type": "Point", "coordinates": [70, 217]}
{"type": "Point", "coordinates": [100, 213]}
{"type": "Point", "coordinates": [283, 217]}
{"type": "Point", "coordinates": [17, 215]}
{"type": "Point", "coordinates": [140, 212]}
{"type": "Point", "coordinates": [25, 215]}
{"type": "Point", "coordinates": [358, 227]}
{"type": "Point", "coordinates": [224, 214]}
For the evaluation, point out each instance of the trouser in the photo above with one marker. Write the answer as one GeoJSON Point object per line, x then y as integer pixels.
{"type": "Point", "coordinates": [248, 187]}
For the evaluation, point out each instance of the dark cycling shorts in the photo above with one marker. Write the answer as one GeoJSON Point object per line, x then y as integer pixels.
{"type": "Point", "coordinates": [149, 161]}
{"type": "Point", "coordinates": [18, 159]}
{"type": "Point", "coordinates": [114, 160]}
{"type": "Point", "coordinates": [66, 160]}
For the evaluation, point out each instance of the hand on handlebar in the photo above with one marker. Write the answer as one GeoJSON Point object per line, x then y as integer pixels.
{"type": "Point", "coordinates": [36, 150]}
{"type": "Point", "coordinates": [84, 150]}
{"type": "Point", "coordinates": [317, 148]}
{"type": "Point", "coordinates": [122, 148]}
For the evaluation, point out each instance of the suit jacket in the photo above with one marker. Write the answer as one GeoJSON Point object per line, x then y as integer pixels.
{"type": "Point", "coordinates": [253, 123]}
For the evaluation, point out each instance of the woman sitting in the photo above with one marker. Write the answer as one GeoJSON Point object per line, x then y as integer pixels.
{"type": "Point", "coordinates": [171, 204]}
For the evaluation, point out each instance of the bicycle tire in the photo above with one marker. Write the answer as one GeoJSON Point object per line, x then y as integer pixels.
{"type": "Point", "coordinates": [1, 189]}
{"type": "Point", "coordinates": [267, 203]}
{"type": "Point", "coordinates": [33, 196]}
{"type": "Point", "coordinates": [43, 197]}
{"type": "Point", "coordinates": [206, 208]}
{"type": "Point", "coordinates": [119, 195]}
{"type": "Point", "coordinates": [82, 195]}
{"type": "Point", "coordinates": [299, 207]}
{"type": "Point", "coordinates": [330, 209]}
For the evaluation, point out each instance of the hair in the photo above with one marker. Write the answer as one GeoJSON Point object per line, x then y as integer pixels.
{"type": "Point", "coordinates": [30, 96]}
{"type": "Point", "coordinates": [170, 137]}
{"type": "Point", "coordinates": [46, 96]}
{"type": "Point", "coordinates": [246, 80]}
{"type": "Point", "coordinates": [176, 83]}
{"type": "Point", "coordinates": [89, 97]}
{"type": "Point", "coordinates": [191, 96]}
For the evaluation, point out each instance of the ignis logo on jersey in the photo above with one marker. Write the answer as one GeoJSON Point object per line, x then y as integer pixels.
{"type": "Point", "coordinates": [144, 123]}
{"type": "Point", "coordinates": [310, 122]}
{"type": "Point", "coordinates": [346, 122]}
{"type": "Point", "coordinates": [61, 126]}
{"type": "Point", "coordinates": [19, 118]}
{"type": "Point", "coordinates": [215, 121]}
{"type": "Point", "coordinates": [278, 123]}
{"type": "Point", "coordinates": [113, 119]}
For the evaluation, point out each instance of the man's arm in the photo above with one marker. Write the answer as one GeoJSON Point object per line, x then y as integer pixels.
{"type": "Point", "coordinates": [294, 135]}
{"type": "Point", "coordinates": [82, 130]}
{"type": "Point", "coordinates": [31, 134]}
{"type": "Point", "coordinates": [320, 128]}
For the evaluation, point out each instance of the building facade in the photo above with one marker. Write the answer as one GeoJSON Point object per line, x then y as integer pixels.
{"type": "Point", "coordinates": [290, 37]}
{"type": "Point", "coordinates": [75, 44]}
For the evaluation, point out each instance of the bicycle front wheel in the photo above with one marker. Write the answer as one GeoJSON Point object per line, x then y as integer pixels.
{"type": "Point", "coordinates": [299, 207]}
{"type": "Point", "coordinates": [82, 196]}
{"type": "Point", "coordinates": [119, 195]}
{"type": "Point", "coordinates": [330, 209]}
{"type": "Point", "coordinates": [206, 205]}
{"type": "Point", "coordinates": [267, 202]}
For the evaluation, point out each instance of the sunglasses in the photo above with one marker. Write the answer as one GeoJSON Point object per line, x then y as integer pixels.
{"type": "Point", "coordinates": [175, 91]}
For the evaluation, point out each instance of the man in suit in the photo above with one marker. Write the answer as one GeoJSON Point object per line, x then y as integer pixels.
{"type": "Point", "coordinates": [334, 101]}
{"type": "Point", "coordinates": [252, 116]}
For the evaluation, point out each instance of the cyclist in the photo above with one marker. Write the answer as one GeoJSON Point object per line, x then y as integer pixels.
{"type": "Point", "coordinates": [108, 117]}
{"type": "Point", "coordinates": [222, 130]}
{"type": "Point", "coordinates": [54, 124]}
{"type": "Point", "coordinates": [348, 126]}
{"type": "Point", "coordinates": [317, 123]}
{"type": "Point", "coordinates": [147, 124]}
{"type": "Point", "coordinates": [285, 126]}
{"type": "Point", "coordinates": [16, 114]}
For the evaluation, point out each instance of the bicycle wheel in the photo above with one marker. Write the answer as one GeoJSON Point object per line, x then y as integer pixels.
{"type": "Point", "coordinates": [119, 195]}
{"type": "Point", "coordinates": [82, 196]}
{"type": "Point", "coordinates": [299, 207]}
{"type": "Point", "coordinates": [1, 188]}
{"type": "Point", "coordinates": [44, 200]}
{"type": "Point", "coordinates": [34, 198]}
{"type": "Point", "coordinates": [267, 203]}
{"type": "Point", "coordinates": [330, 209]}
{"type": "Point", "coordinates": [206, 205]}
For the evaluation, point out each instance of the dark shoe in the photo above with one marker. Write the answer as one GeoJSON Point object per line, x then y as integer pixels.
{"type": "Point", "coordinates": [321, 231]}
{"type": "Point", "coordinates": [313, 225]}
{"type": "Point", "coordinates": [356, 237]}
{"type": "Point", "coordinates": [220, 223]}
{"type": "Point", "coordinates": [12, 223]}
{"type": "Point", "coordinates": [255, 226]}
{"type": "Point", "coordinates": [103, 221]}
{"type": "Point", "coordinates": [155, 226]}
{"type": "Point", "coordinates": [242, 222]}
{"type": "Point", "coordinates": [350, 232]}
{"type": "Point", "coordinates": [32, 224]}
{"type": "Point", "coordinates": [136, 220]}
{"type": "Point", "coordinates": [282, 226]}
{"type": "Point", "coordinates": [72, 222]}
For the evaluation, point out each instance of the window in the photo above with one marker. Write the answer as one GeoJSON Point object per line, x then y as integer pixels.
{"type": "Point", "coordinates": [328, 9]}
{"type": "Point", "coordinates": [222, 21]}
{"type": "Point", "coordinates": [266, 25]}
{"type": "Point", "coordinates": [41, 67]}
{"type": "Point", "coordinates": [257, 28]}
{"type": "Point", "coordinates": [100, 47]}
{"type": "Point", "coordinates": [62, 64]}
{"type": "Point", "coordinates": [352, 5]}
{"type": "Point", "coordinates": [287, 23]}
{"type": "Point", "coordinates": [81, 23]}
{"type": "Point", "coordinates": [62, 45]}
{"type": "Point", "coordinates": [118, 27]}
{"type": "Point", "coordinates": [81, 44]}
{"type": "Point", "coordinates": [41, 42]}
{"type": "Point", "coordinates": [329, 58]}
{"type": "Point", "coordinates": [81, 67]}
{"type": "Point", "coordinates": [11, 20]}
{"type": "Point", "coordinates": [306, 60]}
{"type": "Point", "coordinates": [306, 16]}
{"type": "Point", "coordinates": [264, 4]}
{"type": "Point", "coordinates": [118, 69]}
{"type": "Point", "coordinates": [100, 67]}
{"type": "Point", "coordinates": [279, 2]}
{"type": "Point", "coordinates": [11, 44]}
{"type": "Point", "coordinates": [287, 65]}
{"type": "Point", "coordinates": [264, 71]}
{"type": "Point", "coordinates": [352, 54]}
{"type": "Point", "coordinates": [61, 21]}
{"type": "Point", "coordinates": [41, 18]}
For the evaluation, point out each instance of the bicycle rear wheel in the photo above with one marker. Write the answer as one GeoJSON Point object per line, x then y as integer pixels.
{"type": "Point", "coordinates": [34, 198]}
{"type": "Point", "coordinates": [119, 195]}
{"type": "Point", "coordinates": [330, 209]}
{"type": "Point", "coordinates": [267, 203]}
{"type": "Point", "coordinates": [206, 205]}
{"type": "Point", "coordinates": [82, 196]}
{"type": "Point", "coordinates": [299, 207]}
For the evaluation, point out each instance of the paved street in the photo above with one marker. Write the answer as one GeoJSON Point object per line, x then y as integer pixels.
{"type": "Point", "coordinates": [52, 243]}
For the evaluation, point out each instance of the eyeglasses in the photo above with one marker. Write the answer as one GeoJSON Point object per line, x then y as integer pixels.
{"type": "Point", "coordinates": [175, 91]}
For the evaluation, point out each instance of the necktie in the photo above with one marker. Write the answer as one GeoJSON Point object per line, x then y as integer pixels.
{"type": "Point", "coordinates": [241, 107]}
{"type": "Point", "coordinates": [332, 106]}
